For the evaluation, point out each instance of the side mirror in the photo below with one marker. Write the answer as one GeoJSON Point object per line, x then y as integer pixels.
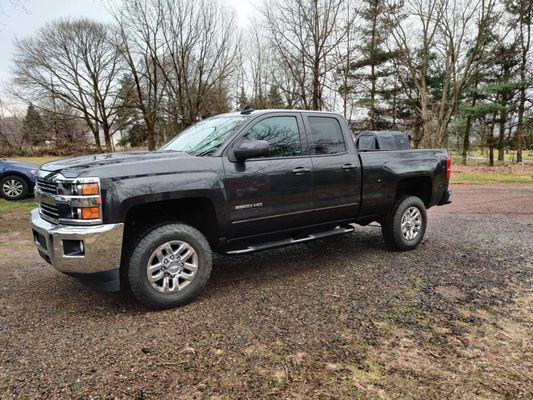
{"type": "Point", "coordinates": [252, 149]}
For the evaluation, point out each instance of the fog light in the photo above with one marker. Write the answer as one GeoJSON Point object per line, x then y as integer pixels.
{"type": "Point", "coordinates": [73, 248]}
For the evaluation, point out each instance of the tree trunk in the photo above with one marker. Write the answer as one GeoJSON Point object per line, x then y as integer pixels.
{"type": "Point", "coordinates": [96, 135]}
{"type": "Point", "coordinates": [416, 138]}
{"type": "Point", "coordinates": [491, 140]}
{"type": "Point", "coordinates": [373, 98]}
{"type": "Point", "coordinates": [424, 117]}
{"type": "Point", "coordinates": [466, 139]}
{"type": "Point", "coordinates": [525, 23]}
{"type": "Point", "coordinates": [107, 138]}
{"type": "Point", "coordinates": [501, 136]}
{"type": "Point", "coordinates": [150, 133]}
{"type": "Point", "coordinates": [316, 86]}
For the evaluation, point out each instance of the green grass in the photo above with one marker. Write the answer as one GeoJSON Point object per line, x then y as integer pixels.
{"type": "Point", "coordinates": [18, 214]}
{"type": "Point", "coordinates": [468, 177]}
{"type": "Point", "coordinates": [35, 160]}
{"type": "Point", "coordinates": [22, 206]}
{"type": "Point", "coordinates": [509, 157]}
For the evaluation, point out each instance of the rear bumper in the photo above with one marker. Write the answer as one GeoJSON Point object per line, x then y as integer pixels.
{"type": "Point", "coordinates": [446, 197]}
{"type": "Point", "coordinates": [78, 250]}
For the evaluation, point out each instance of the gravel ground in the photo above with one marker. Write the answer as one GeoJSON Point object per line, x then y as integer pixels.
{"type": "Point", "coordinates": [337, 318]}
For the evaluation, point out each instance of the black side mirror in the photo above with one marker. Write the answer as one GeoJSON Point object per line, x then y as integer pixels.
{"type": "Point", "coordinates": [252, 149]}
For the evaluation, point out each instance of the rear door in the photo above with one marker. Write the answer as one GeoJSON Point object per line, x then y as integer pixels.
{"type": "Point", "coordinates": [271, 193]}
{"type": "Point", "coordinates": [336, 168]}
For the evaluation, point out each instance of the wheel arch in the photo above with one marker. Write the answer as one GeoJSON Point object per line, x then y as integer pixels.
{"type": "Point", "coordinates": [420, 186]}
{"type": "Point", "coordinates": [198, 212]}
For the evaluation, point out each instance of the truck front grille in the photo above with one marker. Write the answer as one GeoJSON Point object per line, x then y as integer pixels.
{"type": "Point", "coordinates": [47, 186]}
{"type": "Point", "coordinates": [49, 211]}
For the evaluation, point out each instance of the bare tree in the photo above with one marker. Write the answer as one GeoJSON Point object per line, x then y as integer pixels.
{"type": "Point", "coordinates": [140, 23]}
{"type": "Point", "coordinates": [465, 33]}
{"type": "Point", "coordinates": [11, 133]}
{"type": "Point", "coordinates": [75, 61]}
{"type": "Point", "coordinates": [415, 36]}
{"type": "Point", "coordinates": [200, 43]}
{"type": "Point", "coordinates": [305, 35]}
{"type": "Point", "coordinates": [447, 34]}
{"type": "Point", "coordinates": [345, 54]}
{"type": "Point", "coordinates": [522, 10]}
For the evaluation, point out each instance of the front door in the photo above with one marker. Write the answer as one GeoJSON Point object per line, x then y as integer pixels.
{"type": "Point", "coordinates": [271, 193]}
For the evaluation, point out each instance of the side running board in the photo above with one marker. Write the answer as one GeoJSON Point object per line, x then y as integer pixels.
{"type": "Point", "coordinates": [286, 242]}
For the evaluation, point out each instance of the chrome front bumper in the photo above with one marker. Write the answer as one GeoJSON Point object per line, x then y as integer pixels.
{"type": "Point", "coordinates": [78, 249]}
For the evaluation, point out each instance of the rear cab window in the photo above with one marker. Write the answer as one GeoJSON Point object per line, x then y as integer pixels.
{"type": "Point", "coordinates": [367, 143]}
{"type": "Point", "coordinates": [326, 135]}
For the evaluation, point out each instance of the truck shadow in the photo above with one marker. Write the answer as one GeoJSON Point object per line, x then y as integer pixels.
{"type": "Point", "coordinates": [229, 273]}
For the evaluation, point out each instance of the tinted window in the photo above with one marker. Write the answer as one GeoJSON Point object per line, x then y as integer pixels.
{"type": "Point", "coordinates": [394, 141]}
{"type": "Point", "coordinates": [326, 135]}
{"type": "Point", "coordinates": [281, 133]}
{"type": "Point", "coordinates": [366, 142]}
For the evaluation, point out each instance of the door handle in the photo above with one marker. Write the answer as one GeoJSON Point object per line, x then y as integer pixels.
{"type": "Point", "coordinates": [300, 170]}
{"type": "Point", "coordinates": [348, 167]}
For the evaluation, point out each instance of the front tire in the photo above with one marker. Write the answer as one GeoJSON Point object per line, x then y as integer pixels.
{"type": "Point", "coordinates": [14, 187]}
{"type": "Point", "coordinates": [169, 266]}
{"type": "Point", "coordinates": [404, 228]}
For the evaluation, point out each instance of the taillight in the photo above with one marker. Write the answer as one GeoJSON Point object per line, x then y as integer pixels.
{"type": "Point", "coordinates": [448, 168]}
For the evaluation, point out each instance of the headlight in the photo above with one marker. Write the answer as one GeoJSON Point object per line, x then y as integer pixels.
{"type": "Point", "coordinates": [89, 189]}
{"type": "Point", "coordinates": [84, 197]}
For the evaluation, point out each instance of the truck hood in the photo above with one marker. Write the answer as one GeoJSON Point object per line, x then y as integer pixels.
{"type": "Point", "coordinates": [76, 166]}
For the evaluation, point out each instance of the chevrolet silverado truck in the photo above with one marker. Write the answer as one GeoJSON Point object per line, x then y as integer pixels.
{"type": "Point", "coordinates": [235, 183]}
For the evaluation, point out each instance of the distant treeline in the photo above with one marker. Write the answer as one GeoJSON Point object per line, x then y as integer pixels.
{"type": "Point", "coordinates": [451, 73]}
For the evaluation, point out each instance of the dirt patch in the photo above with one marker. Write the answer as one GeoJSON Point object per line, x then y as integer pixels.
{"type": "Point", "coordinates": [450, 292]}
{"type": "Point", "coordinates": [338, 318]}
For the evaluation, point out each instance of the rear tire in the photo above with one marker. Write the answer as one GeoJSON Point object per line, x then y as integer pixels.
{"type": "Point", "coordinates": [169, 266]}
{"type": "Point", "coordinates": [404, 228]}
{"type": "Point", "coordinates": [14, 187]}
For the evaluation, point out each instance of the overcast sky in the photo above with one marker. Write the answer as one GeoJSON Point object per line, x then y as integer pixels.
{"type": "Point", "coordinates": [16, 21]}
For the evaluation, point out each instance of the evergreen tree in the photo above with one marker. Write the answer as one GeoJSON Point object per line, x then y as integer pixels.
{"type": "Point", "coordinates": [128, 120]}
{"type": "Point", "coordinates": [242, 100]}
{"type": "Point", "coordinates": [33, 127]}
{"type": "Point", "coordinates": [274, 98]}
{"type": "Point", "coordinates": [374, 64]}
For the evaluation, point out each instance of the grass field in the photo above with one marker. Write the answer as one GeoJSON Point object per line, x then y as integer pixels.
{"type": "Point", "coordinates": [479, 158]}
{"type": "Point", "coordinates": [479, 178]}
{"type": "Point", "coordinates": [11, 212]}
{"type": "Point", "coordinates": [23, 206]}
{"type": "Point", "coordinates": [34, 160]}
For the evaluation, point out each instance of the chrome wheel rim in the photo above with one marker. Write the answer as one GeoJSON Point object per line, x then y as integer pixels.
{"type": "Point", "coordinates": [411, 223]}
{"type": "Point", "coordinates": [172, 266]}
{"type": "Point", "coordinates": [12, 188]}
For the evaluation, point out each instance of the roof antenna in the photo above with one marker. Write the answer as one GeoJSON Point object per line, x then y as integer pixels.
{"type": "Point", "coordinates": [246, 110]}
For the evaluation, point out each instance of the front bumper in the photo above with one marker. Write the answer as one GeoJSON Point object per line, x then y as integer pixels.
{"type": "Point", "coordinates": [78, 250]}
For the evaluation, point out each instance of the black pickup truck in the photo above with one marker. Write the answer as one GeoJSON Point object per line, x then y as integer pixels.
{"type": "Point", "coordinates": [231, 184]}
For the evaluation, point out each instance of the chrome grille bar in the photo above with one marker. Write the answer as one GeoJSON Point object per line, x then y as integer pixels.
{"type": "Point", "coordinates": [47, 186]}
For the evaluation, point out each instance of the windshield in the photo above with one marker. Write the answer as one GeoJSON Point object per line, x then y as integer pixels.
{"type": "Point", "coordinates": [203, 138]}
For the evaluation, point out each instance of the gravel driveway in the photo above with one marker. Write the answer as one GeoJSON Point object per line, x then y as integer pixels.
{"type": "Point", "coordinates": [336, 318]}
